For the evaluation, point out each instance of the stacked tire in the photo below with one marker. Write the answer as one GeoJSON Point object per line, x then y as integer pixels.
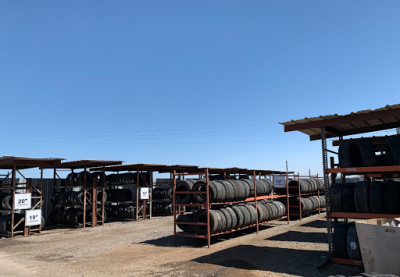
{"type": "Point", "coordinates": [126, 211]}
{"type": "Point", "coordinates": [78, 179]}
{"type": "Point", "coordinates": [366, 197]}
{"type": "Point", "coordinates": [221, 190]}
{"type": "Point", "coordinates": [307, 204]}
{"type": "Point", "coordinates": [162, 193]}
{"type": "Point", "coordinates": [73, 198]}
{"type": "Point", "coordinates": [345, 242]}
{"type": "Point", "coordinates": [5, 224]}
{"type": "Point", "coordinates": [162, 208]}
{"type": "Point", "coordinates": [126, 178]}
{"type": "Point", "coordinates": [309, 185]}
{"type": "Point", "coordinates": [121, 195]}
{"type": "Point", "coordinates": [362, 152]}
{"type": "Point", "coordinates": [234, 217]}
{"type": "Point", "coordinates": [70, 216]}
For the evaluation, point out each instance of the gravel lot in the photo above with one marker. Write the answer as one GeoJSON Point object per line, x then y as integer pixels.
{"type": "Point", "coordinates": [146, 248]}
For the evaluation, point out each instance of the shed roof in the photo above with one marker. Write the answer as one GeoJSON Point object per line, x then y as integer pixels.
{"type": "Point", "coordinates": [86, 163]}
{"type": "Point", "coordinates": [141, 166]}
{"type": "Point", "coordinates": [8, 162]}
{"type": "Point", "coordinates": [342, 125]}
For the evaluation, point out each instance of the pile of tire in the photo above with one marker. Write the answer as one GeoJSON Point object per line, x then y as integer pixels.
{"type": "Point", "coordinates": [307, 204]}
{"type": "Point", "coordinates": [5, 224]}
{"type": "Point", "coordinates": [78, 179]}
{"type": "Point", "coordinates": [75, 198]}
{"type": "Point", "coordinates": [70, 216]}
{"type": "Point", "coordinates": [221, 191]}
{"type": "Point", "coordinates": [6, 201]}
{"type": "Point", "coordinates": [345, 242]}
{"type": "Point", "coordinates": [232, 217]}
{"type": "Point", "coordinates": [126, 178]}
{"type": "Point", "coordinates": [361, 152]}
{"type": "Point", "coordinates": [162, 193]}
{"type": "Point", "coordinates": [366, 197]}
{"type": "Point", "coordinates": [121, 211]}
{"type": "Point", "coordinates": [121, 195]}
{"type": "Point", "coordinates": [162, 208]}
{"type": "Point", "coordinates": [309, 185]}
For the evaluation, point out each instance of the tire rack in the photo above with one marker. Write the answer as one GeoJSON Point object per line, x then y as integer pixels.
{"type": "Point", "coordinates": [170, 185]}
{"type": "Point", "coordinates": [299, 194]}
{"type": "Point", "coordinates": [227, 172]}
{"type": "Point", "coordinates": [373, 172]}
{"type": "Point", "coordinates": [97, 218]}
{"type": "Point", "coordinates": [15, 164]}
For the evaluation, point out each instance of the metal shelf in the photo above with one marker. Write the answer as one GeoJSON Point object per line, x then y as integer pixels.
{"type": "Point", "coordinates": [360, 215]}
{"type": "Point", "coordinates": [365, 170]}
{"type": "Point", "coordinates": [347, 262]}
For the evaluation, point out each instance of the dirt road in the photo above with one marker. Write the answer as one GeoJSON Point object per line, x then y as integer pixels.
{"type": "Point", "coordinates": [146, 248]}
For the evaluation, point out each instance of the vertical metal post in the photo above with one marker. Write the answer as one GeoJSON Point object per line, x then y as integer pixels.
{"type": "Point", "coordinates": [151, 194]}
{"type": "Point", "coordinates": [208, 209]}
{"type": "Point", "coordinates": [299, 191]}
{"type": "Point", "coordinates": [94, 201]}
{"type": "Point", "coordinates": [84, 199]}
{"type": "Point", "coordinates": [13, 184]}
{"type": "Point", "coordinates": [327, 198]}
{"type": "Point", "coordinates": [137, 195]}
{"type": "Point", "coordinates": [28, 189]}
{"type": "Point", "coordinates": [103, 189]}
{"type": "Point", "coordinates": [173, 201]}
{"type": "Point", "coordinates": [255, 197]}
{"type": "Point", "coordinates": [287, 197]}
{"type": "Point", "coordinates": [41, 197]}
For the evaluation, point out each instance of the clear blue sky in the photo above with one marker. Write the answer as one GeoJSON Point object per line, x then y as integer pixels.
{"type": "Point", "coordinates": [189, 82]}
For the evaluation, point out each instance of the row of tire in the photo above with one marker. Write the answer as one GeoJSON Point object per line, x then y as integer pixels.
{"type": "Point", "coordinates": [5, 224]}
{"type": "Point", "coordinates": [231, 217]}
{"type": "Point", "coordinates": [124, 211]}
{"type": "Point", "coordinates": [366, 197]}
{"type": "Point", "coordinates": [345, 241]}
{"type": "Point", "coordinates": [70, 216]}
{"type": "Point", "coordinates": [162, 193]}
{"type": "Point", "coordinates": [361, 152]}
{"type": "Point", "coordinates": [83, 178]}
{"type": "Point", "coordinates": [162, 208]}
{"type": "Point", "coordinates": [126, 178]}
{"type": "Point", "coordinates": [221, 191]}
{"type": "Point", "coordinates": [307, 185]}
{"type": "Point", "coordinates": [307, 204]}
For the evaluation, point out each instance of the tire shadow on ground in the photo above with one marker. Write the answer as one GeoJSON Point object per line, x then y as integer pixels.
{"type": "Point", "coordinates": [301, 237]}
{"type": "Point", "coordinates": [315, 224]}
{"type": "Point", "coordinates": [275, 259]}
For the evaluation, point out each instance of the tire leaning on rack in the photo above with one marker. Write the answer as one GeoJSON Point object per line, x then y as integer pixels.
{"type": "Point", "coordinates": [367, 151]}
{"type": "Point", "coordinates": [376, 197]}
{"type": "Point", "coordinates": [185, 218]}
{"type": "Point", "coordinates": [349, 154]}
{"type": "Point", "coordinates": [228, 219]}
{"type": "Point", "coordinates": [393, 145]}
{"type": "Point", "coordinates": [336, 192]}
{"type": "Point", "coordinates": [392, 197]}
{"type": "Point", "coordinates": [239, 216]}
{"type": "Point", "coordinates": [353, 247]}
{"type": "Point", "coordinates": [348, 198]}
{"type": "Point", "coordinates": [361, 197]}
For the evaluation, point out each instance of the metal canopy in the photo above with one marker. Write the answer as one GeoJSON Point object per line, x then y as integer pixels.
{"type": "Point", "coordinates": [8, 162]}
{"type": "Point", "coordinates": [85, 164]}
{"type": "Point", "coordinates": [343, 125]}
{"type": "Point", "coordinates": [152, 167]}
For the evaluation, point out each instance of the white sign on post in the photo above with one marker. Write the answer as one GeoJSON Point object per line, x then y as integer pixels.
{"type": "Point", "coordinates": [280, 181]}
{"type": "Point", "coordinates": [33, 217]}
{"type": "Point", "coordinates": [144, 193]}
{"type": "Point", "coordinates": [22, 201]}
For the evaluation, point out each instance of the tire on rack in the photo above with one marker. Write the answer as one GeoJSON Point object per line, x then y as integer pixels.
{"type": "Point", "coordinates": [221, 192]}
{"type": "Point", "coordinates": [275, 211]}
{"type": "Point", "coordinates": [229, 191]}
{"type": "Point", "coordinates": [184, 185]}
{"type": "Point", "coordinates": [250, 185]}
{"type": "Point", "coordinates": [392, 196]}
{"type": "Point", "coordinates": [361, 197]}
{"type": "Point", "coordinates": [376, 197]}
{"type": "Point", "coordinates": [393, 146]}
{"type": "Point", "coordinates": [239, 216]}
{"type": "Point", "coordinates": [349, 154]}
{"type": "Point", "coordinates": [353, 247]}
{"type": "Point", "coordinates": [340, 241]}
{"type": "Point", "coordinates": [237, 190]}
{"type": "Point", "coordinates": [261, 212]}
{"type": "Point", "coordinates": [233, 217]}
{"type": "Point", "coordinates": [260, 186]}
{"type": "Point", "coordinates": [228, 219]}
{"type": "Point", "coordinates": [246, 215]}
{"type": "Point", "coordinates": [293, 186]}
{"type": "Point", "coordinates": [253, 213]}
{"type": "Point", "coordinates": [336, 192]}
{"type": "Point", "coordinates": [367, 151]}
{"type": "Point", "coordinates": [222, 221]}
{"type": "Point", "coordinates": [201, 186]}
{"type": "Point", "coordinates": [185, 218]}
{"type": "Point", "coordinates": [348, 198]}
{"type": "Point", "coordinates": [245, 187]}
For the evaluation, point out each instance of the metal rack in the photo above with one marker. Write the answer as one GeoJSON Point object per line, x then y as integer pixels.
{"type": "Point", "coordinates": [16, 164]}
{"type": "Point", "coordinates": [227, 174]}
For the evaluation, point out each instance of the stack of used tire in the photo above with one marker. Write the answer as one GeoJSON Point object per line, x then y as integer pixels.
{"type": "Point", "coordinates": [362, 152]}
{"type": "Point", "coordinates": [5, 224]}
{"type": "Point", "coordinates": [121, 195]}
{"type": "Point", "coordinates": [307, 204]}
{"type": "Point", "coordinates": [6, 201]}
{"type": "Point", "coordinates": [233, 217]}
{"type": "Point", "coordinates": [308, 185]}
{"type": "Point", "coordinates": [75, 198]}
{"type": "Point", "coordinates": [345, 242]}
{"type": "Point", "coordinates": [70, 216]}
{"type": "Point", "coordinates": [123, 211]}
{"type": "Point", "coordinates": [162, 208]}
{"type": "Point", "coordinates": [221, 190]}
{"type": "Point", "coordinates": [162, 193]}
{"type": "Point", "coordinates": [366, 197]}
{"type": "Point", "coordinates": [78, 179]}
{"type": "Point", "coordinates": [126, 178]}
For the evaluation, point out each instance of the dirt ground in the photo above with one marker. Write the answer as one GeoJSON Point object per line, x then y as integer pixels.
{"type": "Point", "coordinates": [146, 248]}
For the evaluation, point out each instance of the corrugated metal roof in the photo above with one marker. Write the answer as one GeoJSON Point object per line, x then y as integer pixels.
{"type": "Point", "coordinates": [342, 125]}
{"type": "Point", "coordinates": [8, 162]}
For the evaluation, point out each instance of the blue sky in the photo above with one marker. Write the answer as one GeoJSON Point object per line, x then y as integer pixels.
{"type": "Point", "coordinates": [190, 82]}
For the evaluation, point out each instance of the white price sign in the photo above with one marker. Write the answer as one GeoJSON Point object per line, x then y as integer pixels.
{"type": "Point", "coordinates": [22, 201]}
{"type": "Point", "coordinates": [280, 181]}
{"type": "Point", "coordinates": [33, 217]}
{"type": "Point", "coordinates": [144, 193]}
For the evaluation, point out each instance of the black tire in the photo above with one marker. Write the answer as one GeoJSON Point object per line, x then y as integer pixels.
{"type": "Point", "coordinates": [185, 218]}
{"type": "Point", "coordinates": [348, 198]}
{"type": "Point", "coordinates": [236, 190]}
{"type": "Point", "coordinates": [184, 185]}
{"type": "Point", "coordinates": [275, 211]}
{"type": "Point", "coordinates": [239, 216]}
{"type": "Point", "coordinates": [392, 197]}
{"type": "Point", "coordinates": [246, 214]}
{"type": "Point", "coordinates": [213, 191]}
{"type": "Point", "coordinates": [269, 213]}
{"type": "Point", "coordinates": [201, 186]}
{"type": "Point", "coordinates": [261, 212]}
{"type": "Point", "coordinates": [246, 188]}
{"type": "Point", "coordinates": [250, 185]}
{"type": "Point", "coordinates": [367, 151]}
{"type": "Point", "coordinates": [349, 154]}
{"type": "Point", "coordinates": [229, 191]}
{"type": "Point", "coordinates": [253, 214]}
{"type": "Point", "coordinates": [393, 146]}
{"type": "Point", "coordinates": [222, 221]}
{"type": "Point", "coordinates": [232, 214]}
{"type": "Point", "coordinates": [361, 197]}
{"type": "Point", "coordinates": [353, 247]}
{"type": "Point", "coordinates": [260, 187]}
{"type": "Point", "coordinates": [228, 219]}
{"type": "Point", "coordinates": [340, 241]}
{"type": "Point", "coordinates": [376, 197]}
{"type": "Point", "coordinates": [336, 193]}
{"type": "Point", "coordinates": [221, 192]}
